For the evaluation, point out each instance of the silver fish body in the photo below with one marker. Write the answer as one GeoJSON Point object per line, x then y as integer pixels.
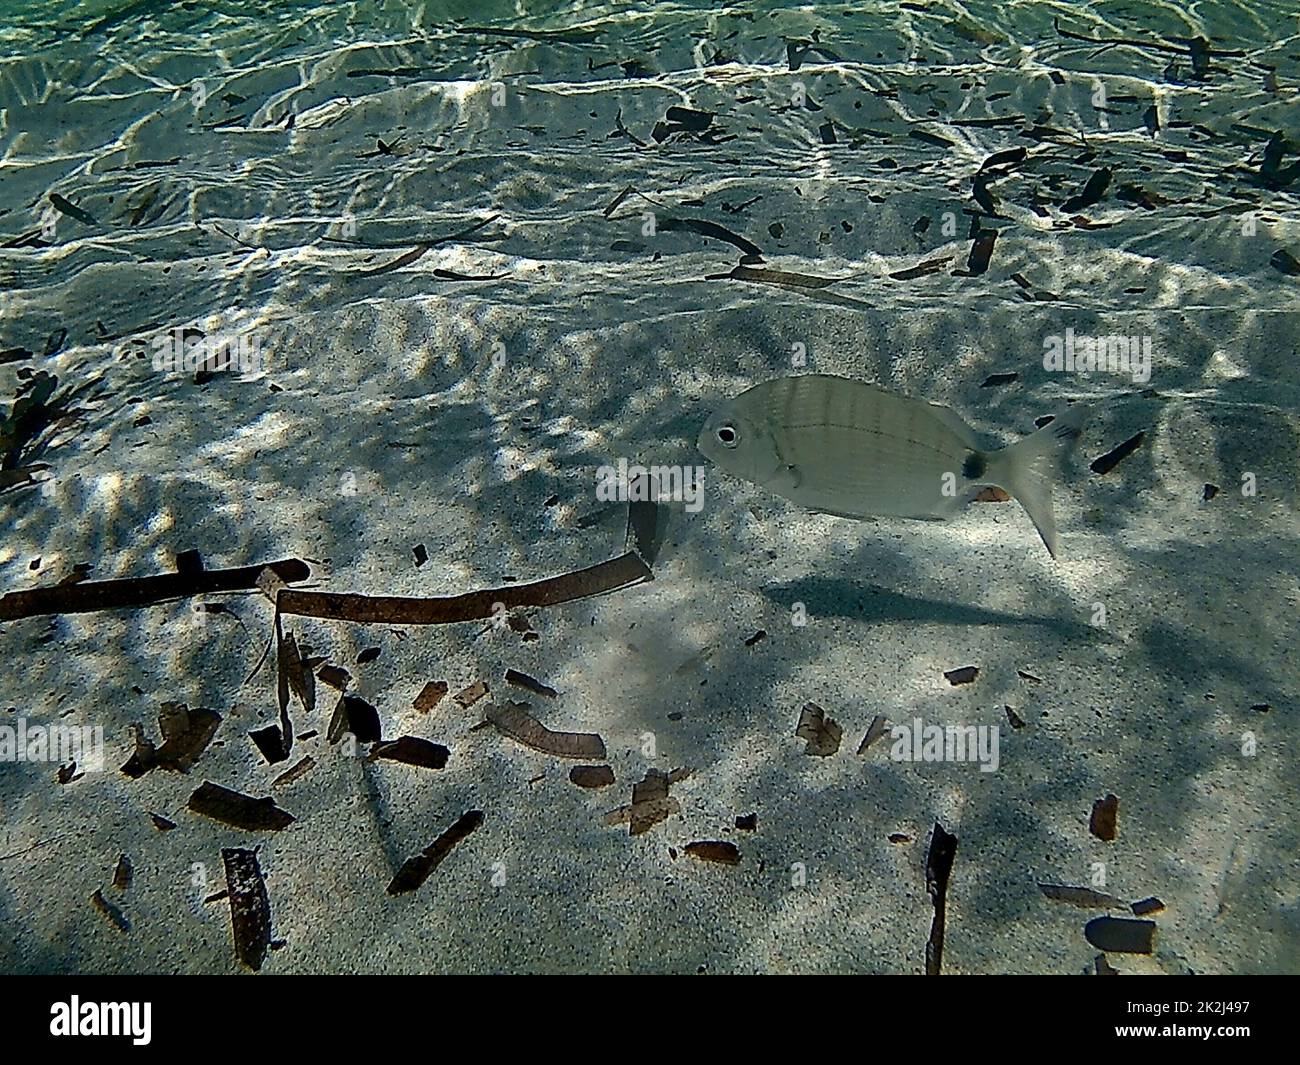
{"type": "Point", "coordinates": [845, 447]}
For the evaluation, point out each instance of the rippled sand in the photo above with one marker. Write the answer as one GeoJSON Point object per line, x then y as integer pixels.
{"type": "Point", "coordinates": [235, 164]}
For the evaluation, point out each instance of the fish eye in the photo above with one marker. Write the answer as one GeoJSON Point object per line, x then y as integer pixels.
{"type": "Point", "coordinates": [728, 435]}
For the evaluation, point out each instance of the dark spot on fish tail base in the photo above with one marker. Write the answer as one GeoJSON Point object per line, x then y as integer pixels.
{"type": "Point", "coordinates": [974, 466]}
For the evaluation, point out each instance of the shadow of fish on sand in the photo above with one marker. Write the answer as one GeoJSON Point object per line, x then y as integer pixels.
{"type": "Point", "coordinates": [824, 597]}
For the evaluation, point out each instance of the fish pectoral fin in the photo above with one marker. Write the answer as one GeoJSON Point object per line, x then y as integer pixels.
{"type": "Point", "coordinates": [787, 479]}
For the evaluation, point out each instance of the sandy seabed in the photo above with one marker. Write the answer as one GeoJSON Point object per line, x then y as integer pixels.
{"type": "Point", "coordinates": [251, 175]}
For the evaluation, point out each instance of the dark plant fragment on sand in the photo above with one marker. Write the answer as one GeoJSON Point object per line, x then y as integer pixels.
{"type": "Point", "coordinates": [620, 572]}
{"type": "Point", "coordinates": [592, 776]}
{"type": "Point", "coordinates": [186, 734]}
{"type": "Point", "coordinates": [712, 850]}
{"type": "Point", "coordinates": [353, 714]}
{"type": "Point", "coordinates": [514, 720]}
{"type": "Point", "coordinates": [1121, 935]}
{"type": "Point", "coordinates": [430, 696]}
{"type": "Point", "coordinates": [141, 591]}
{"type": "Point", "coordinates": [961, 675]}
{"type": "Point", "coordinates": [938, 868]}
{"type": "Point", "coordinates": [1081, 896]}
{"type": "Point", "coordinates": [241, 811]}
{"type": "Point", "coordinates": [415, 870]}
{"type": "Point", "coordinates": [471, 694]}
{"type": "Point", "coordinates": [123, 873]}
{"type": "Point", "coordinates": [529, 683]}
{"type": "Point", "coordinates": [1113, 457]}
{"type": "Point", "coordinates": [874, 731]}
{"type": "Point", "coordinates": [412, 750]}
{"type": "Point", "coordinates": [822, 733]}
{"type": "Point", "coordinates": [111, 913]}
{"type": "Point", "coordinates": [1105, 816]}
{"type": "Point", "coordinates": [250, 907]}
{"type": "Point", "coordinates": [299, 769]}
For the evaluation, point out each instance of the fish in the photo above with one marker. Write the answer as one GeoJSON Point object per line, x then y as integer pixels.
{"type": "Point", "coordinates": [844, 447]}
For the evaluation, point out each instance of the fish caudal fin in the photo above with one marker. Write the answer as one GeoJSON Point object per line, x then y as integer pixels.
{"type": "Point", "coordinates": [1027, 469]}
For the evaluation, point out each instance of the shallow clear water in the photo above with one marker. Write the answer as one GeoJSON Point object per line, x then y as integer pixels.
{"type": "Point", "coordinates": [262, 175]}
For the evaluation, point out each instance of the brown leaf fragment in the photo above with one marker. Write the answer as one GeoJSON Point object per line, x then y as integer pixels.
{"type": "Point", "coordinates": [996, 379]}
{"type": "Point", "coordinates": [822, 733]}
{"type": "Point", "coordinates": [241, 811]}
{"type": "Point", "coordinates": [1113, 457]}
{"type": "Point", "coordinates": [162, 824]}
{"type": "Point", "coordinates": [1015, 720]}
{"type": "Point", "coordinates": [991, 493]}
{"type": "Point", "coordinates": [689, 119]}
{"type": "Point", "coordinates": [111, 913]}
{"type": "Point", "coordinates": [1028, 676]}
{"type": "Point", "coordinates": [981, 252]}
{"type": "Point", "coordinates": [616, 573]}
{"type": "Point", "coordinates": [930, 266]}
{"type": "Point", "coordinates": [712, 850]}
{"type": "Point", "coordinates": [368, 655]}
{"type": "Point", "coordinates": [1091, 192]}
{"type": "Point", "coordinates": [622, 815]}
{"type": "Point", "coordinates": [270, 742]}
{"type": "Point", "coordinates": [1121, 935]}
{"type": "Point", "coordinates": [1105, 815]}
{"type": "Point", "coordinates": [1146, 906]}
{"type": "Point", "coordinates": [353, 714]}
{"type": "Point", "coordinates": [515, 720]}
{"type": "Point", "coordinates": [336, 677]}
{"type": "Point", "coordinates": [1102, 967]}
{"type": "Point", "coordinates": [430, 696]}
{"type": "Point", "coordinates": [874, 731]}
{"type": "Point", "coordinates": [250, 908]}
{"type": "Point", "coordinates": [532, 684]}
{"type": "Point", "coordinates": [295, 677]}
{"type": "Point", "coordinates": [468, 696]}
{"type": "Point", "coordinates": [649, 802]}
{"type": "Point", "coordinates": [518, 622]}
{"type": "Point", "coordinates": [186, 734]}
{"type": "Point", "coordinates": [962, 675]}
{"type": "Point", "coordinates": [758, 637]}
{"type": "Point", "coordinates": [68, 773]}
{"type": "Point", "coordinates": [299, 769]}
{"type": "Point", "coordinates": [421, 554]}
{"type": "Point", "coordinates": [612, 206]}
{"type": "Point", "coordinates": [412, 750]}
{"type": "Point", "coordinates": [1081, 896]}
{"type": "Point", "coordinates": [138, 591]}
{"type": "Point", "coordinates": [747, 822]}
{"type": "Point", "coordinates": [899, 837]}
{"type": "Point", "coordinates": [122, 873]}
{"type": "Point", "coordinates": [938, 868]}
{"type": "Point", "coordinates": [592, 776]}
{"type": "Point", "coordinates": [783, 278]}
{"type": "Point", "coordinates": [415, 871]}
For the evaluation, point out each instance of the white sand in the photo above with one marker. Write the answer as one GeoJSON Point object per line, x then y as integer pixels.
{"type": "Point", "coordinates": [390, 380]}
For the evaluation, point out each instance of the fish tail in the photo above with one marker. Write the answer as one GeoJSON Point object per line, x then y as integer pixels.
{"type": "Point", "coordinates": [1028, 468]}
